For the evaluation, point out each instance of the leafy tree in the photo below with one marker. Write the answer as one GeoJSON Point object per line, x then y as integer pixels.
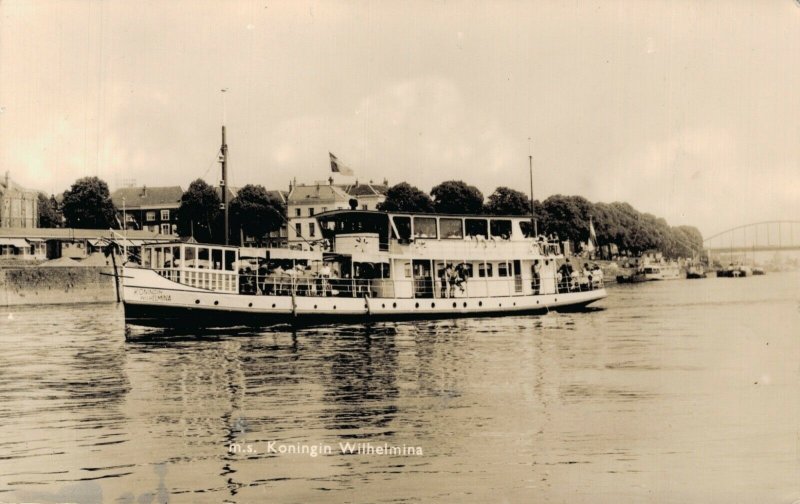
{"type": "Point", "coordinates": [568, 217]}
{"type": "Point", "coordinates": [456, 197]}
{"type": "Point", "coordinates": [507, 201]}
{"type": "Point", "coordinates": [256, 212]}
{"type": "Point", "coordinates": [199, 213]}
{"type": "Point", "coordinates": [87, 205]}
{"type": "Point", "coordinates": [403, 197]}
{"type": "Point", "coordinates": [47, 209]}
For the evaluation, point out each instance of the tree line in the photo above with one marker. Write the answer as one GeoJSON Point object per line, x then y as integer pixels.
{"type": "Point", "coordinates": [255, 212]}
{"type": "Point", "coordinates": [617, 225]}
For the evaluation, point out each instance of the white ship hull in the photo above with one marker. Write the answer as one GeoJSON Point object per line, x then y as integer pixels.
{"type": "Point", "coordinates": [152, 300]}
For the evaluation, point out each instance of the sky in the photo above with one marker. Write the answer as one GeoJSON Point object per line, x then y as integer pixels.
{"type": "Point", "coordinates": [687, 110]}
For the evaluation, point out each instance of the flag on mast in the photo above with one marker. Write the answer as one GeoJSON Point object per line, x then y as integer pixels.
{"type": "Point", "coordinates": [338, 167]}
{"type": "Point", "coordinates": [592, 235]}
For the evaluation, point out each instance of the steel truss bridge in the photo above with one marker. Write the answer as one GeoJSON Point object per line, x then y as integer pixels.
{"type": "Point", "coordinates": [766, 236]}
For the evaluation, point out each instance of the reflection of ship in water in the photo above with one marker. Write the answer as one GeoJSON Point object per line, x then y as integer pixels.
{"type": "Point", "coordinates": [360, 383]}
{"type": "Point", "coordinates": [62, 395]}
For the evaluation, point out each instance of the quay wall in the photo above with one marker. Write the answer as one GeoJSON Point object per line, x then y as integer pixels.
{"type": "Point", "coordinates": [27, 285]}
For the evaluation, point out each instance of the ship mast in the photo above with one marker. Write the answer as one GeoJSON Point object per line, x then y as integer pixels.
{"type": "Point", "coordinates": [223, 159]}
{"type": "Point", "coordinates": [224, 182]}
{"type": "Point", "coordinates": [534, 224]}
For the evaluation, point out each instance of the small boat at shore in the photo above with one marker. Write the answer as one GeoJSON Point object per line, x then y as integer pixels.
{"type": "Point", "coordinates": [696, 271]}
{"type": "Point", "coordinates": [661, 271]}
{"type": "Point", "coordinates": [734, 271]}
{"type": "Point", "coordinates": [634, 277]}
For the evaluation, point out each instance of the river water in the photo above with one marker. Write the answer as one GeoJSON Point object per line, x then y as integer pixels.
{"type": "Point", "coordinates": [681, 391]}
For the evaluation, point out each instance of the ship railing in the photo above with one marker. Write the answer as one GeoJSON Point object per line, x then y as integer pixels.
{"type": "Point", "coordinates": [253, 284]}
{"type": "Point", "coordinates": [214, 280]}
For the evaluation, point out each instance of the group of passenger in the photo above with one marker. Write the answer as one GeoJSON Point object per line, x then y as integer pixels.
{"type": "Point", "coordinates": [452, 277]}
{"type": "Point", "coordinates": [579, 279]}
{"type": "Point", "coordinates": [282, 279]}
{"type": "Point", "coordinates": [547, 280]}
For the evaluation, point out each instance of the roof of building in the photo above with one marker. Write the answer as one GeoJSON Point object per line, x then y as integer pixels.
{"type": "Point", "coordinates": [366, 189]}
{"type": "Point", "coordinates": [301, 194]}
{"type": "Point", "coordinates": [137, 197]}
{"type": "Point", "coordinates": [79, 234]}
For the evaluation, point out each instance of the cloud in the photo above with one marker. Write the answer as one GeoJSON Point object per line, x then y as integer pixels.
{"type": "Point", "coordinates": [420, 130]}
{"type": "Point", "coordinates": [705, 176]}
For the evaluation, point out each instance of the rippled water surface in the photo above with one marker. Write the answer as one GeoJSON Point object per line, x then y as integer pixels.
{"type": "Point", "coordinates": [681, 391]}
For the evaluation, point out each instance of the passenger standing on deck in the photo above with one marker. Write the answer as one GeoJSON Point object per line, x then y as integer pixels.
{"type": "Point", "coordinates": [566, 275]}
{"type": "Point", "coordinates": [537, 275]}
{"type": "Point", "coordinates": [548, 277]}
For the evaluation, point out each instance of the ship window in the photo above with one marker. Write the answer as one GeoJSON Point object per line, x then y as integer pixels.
{"type": "Point", "coordinates": [485, 270]}
{"type": "Point", "coordinates": [527, 228]}
{"type": "Point", "coordinates": [403, 226]}
{"type": "Point", "coordinates": [477, 227]}
{"type": "Point", "coordinates": [502, 269]}
{"type": "Point", "coordinates": [407, 269]}
{"type": "Point", "coordinates": [216, 259]}
{"type": "Point", "coordinates": [189, 254]}
{"type": "Point", "coordinates": [424, 227]}
{"type": "Point", "coordinates": [501, 228]}
{"type": "Point", "coordinates": [202, 258]}
{"type": "Point", "coordinates": [451, 228]}
{"type": "Point", "coordinates": [468, 271]}
{"type": "Point", "coordinates": [230, 258]}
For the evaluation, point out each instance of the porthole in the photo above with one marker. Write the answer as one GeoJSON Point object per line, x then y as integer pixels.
{"type": "Point", "coordinates": [514, 304]}
{"type": "Point", "coordinates": [416, 305]}
{"type": "Point", "coordinates": [455, 304]}
{"type": "Point", "coordinates": [433, 305]}
{"type": "Point", "coordinates": [196, 301]}
{"type": "Point", "coordinates": [249, 305]}
{"type": "Point", "coordinates": [537, 301]}
{"type": "Point", "coordinates": [273, 305]}
{"type": "Point", "coordinates": [383, 305]}
{"type": "Point", "coordinates": [334, 307]}
{"type": "Point", "coordinates": [556, 299]}
{"type": "Point", "coordinates": [216, 303]}
{"type": "Point", "coordinates": [394, 305]}
{"type": "Point", "coordinates": [480, 303]}
{"type": "Point", "coordinates": [499, 304]}
{"type": "Point", "coordinates": [465, 304]}
{"type": "Point", "coordinates": [315, 307]}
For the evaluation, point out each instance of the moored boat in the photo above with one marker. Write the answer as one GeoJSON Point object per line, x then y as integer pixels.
{"type": "Point", "coordinates": [696, 271]}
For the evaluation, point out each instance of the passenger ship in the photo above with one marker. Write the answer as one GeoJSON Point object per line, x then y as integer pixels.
{"type": "Point", "coordinates": [372, 266]}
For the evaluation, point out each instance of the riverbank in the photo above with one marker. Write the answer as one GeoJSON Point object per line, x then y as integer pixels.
{"type": "Point", "coordinates": [42, 284]}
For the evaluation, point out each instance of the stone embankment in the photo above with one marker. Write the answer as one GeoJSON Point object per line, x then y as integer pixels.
{"type": "Point", "coordinates": [40, 284]}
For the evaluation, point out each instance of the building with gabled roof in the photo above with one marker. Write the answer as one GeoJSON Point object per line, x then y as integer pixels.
{"type": "Point", "coordinates": [305, 201]}
{"type": "Point", "coordinates": [153, 209]}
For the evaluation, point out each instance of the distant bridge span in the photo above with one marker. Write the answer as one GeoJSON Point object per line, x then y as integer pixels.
{"type": "Point", "coordinates": [764, 236]}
